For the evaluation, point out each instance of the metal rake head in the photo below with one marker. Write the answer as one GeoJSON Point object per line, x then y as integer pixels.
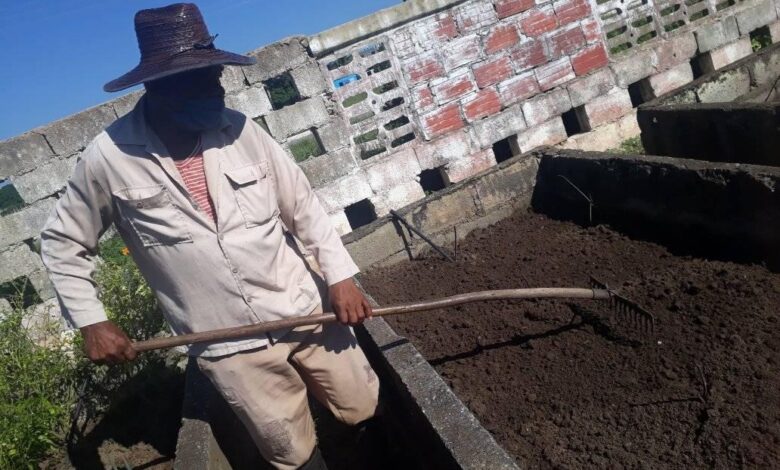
{"type": "Point", "coordinates": [627, 311]}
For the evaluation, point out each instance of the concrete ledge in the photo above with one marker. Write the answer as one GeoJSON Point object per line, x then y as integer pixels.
{"type": "Point", "coordinates": [375, 23]}
{"type": "Point", "coordinates": [725, 132]}
{"type": "Point", "coordinates": [464, 443]}
{"type": "Point", "coordinates": [720, 210]}
{"type": "Point", "coordinates": [729, 83]}
{"type": "Point", "coordinates": [469, 204]}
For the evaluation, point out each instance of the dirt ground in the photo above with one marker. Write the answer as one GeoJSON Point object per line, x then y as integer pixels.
{"type": "Point", "coordinates": [564, 392]}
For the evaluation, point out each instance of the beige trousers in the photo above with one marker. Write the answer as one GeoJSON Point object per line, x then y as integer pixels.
{"type": "Point", "coordinates": [267, 388]}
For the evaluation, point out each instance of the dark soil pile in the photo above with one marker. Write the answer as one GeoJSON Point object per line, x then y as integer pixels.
{"type": "Point", "coordinates": [558, 391]}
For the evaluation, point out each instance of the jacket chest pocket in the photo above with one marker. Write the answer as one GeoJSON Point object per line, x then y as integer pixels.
{"type": "Point", "coordinates": [152, 215]}
{"type": "Point", "coordinates": [253, 193]}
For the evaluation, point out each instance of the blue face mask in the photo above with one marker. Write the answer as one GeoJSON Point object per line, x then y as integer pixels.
{"type": "Point", "coordinates": [197, 114]}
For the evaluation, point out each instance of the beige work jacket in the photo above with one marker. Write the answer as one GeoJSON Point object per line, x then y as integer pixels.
{"type": "Point", "coordinates": [244, 269]}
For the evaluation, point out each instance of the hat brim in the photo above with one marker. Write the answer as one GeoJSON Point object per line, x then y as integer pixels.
{"type": "Point", "coordinates": [189, 60]}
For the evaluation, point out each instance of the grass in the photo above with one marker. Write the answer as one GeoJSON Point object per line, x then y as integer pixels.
{"type": "Point", "coordinates": [306, 148]}
{"type": "Point", "coordinates": [632, 146]}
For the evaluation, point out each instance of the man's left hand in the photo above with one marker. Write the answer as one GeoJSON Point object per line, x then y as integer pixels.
{"type": "Point", "coordinates": [349, 304]}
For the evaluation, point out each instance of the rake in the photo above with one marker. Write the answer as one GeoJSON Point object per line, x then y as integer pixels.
{"type": "Point", "coordinates": [623, 308]}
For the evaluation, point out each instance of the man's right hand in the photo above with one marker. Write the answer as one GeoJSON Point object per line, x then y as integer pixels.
{"type": "Point", "coordinates": [105, 343]}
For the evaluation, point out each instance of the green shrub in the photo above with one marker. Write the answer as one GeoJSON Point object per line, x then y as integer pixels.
{"type": "Point", "coordinates": [38, 383]}
{"type": "Point", "coordinates": [36, 392]}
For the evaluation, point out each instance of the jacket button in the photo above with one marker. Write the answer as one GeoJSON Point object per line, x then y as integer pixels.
{"type": "Point", "coordinates": [139, 205]}
{"type": "Point", "coordinates": [235, 270]}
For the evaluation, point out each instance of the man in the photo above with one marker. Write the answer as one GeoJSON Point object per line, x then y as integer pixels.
{"type": "Point", "coordinates": [205, 201]}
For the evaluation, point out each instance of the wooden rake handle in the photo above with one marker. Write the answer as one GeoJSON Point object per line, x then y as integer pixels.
{"type": "Point", "coordinates": [460, 299]}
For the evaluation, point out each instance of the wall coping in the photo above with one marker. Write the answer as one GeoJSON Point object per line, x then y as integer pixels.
{"type": "Point", "coordinates": [329, 40]}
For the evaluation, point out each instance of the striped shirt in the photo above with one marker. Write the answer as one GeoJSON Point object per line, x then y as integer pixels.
{"type": "Point", "coordinates": [191, 170]}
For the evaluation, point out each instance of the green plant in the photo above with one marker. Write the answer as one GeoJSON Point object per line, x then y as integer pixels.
{"type": "Point", "coordinates": [40, 373]}
{"type": "Point", "coordinates": [36, 390]}
{"type": "Point", "coordinates": [632, 146]}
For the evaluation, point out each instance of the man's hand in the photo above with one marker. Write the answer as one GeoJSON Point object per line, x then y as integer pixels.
{"type": "Point", "coordinates": [105, 343]}
{"type": "Point", "coordinates": [348, 303]}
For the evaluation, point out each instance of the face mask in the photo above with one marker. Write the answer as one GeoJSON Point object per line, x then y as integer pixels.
{"type": "Point", "coordinates": [197, 114]}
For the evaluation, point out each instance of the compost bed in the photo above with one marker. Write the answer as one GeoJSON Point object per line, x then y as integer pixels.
{"type": "Point", "coordinates": [557, 392]}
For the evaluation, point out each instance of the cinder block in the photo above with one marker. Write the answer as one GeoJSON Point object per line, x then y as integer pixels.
{"type": "Point", "coordinates": [398, 196]}
{"type": "Point", "coordinates": [635, 67]}
{"type": "Point", "coordinates": [252, 101]}
{"type": "Point", "coordinates": [233, 79]}
{"type": "Point", "coordinates": [481, 104]}
{"type": "Point", "coordinates": [728, 86]}
{"type": "Point", "coordinates": [329, 167]}
{"type": "Point", "coordinates": [124, 104]}
{"type": "Point", "coordinates": [499, 126]}
{"type": "Point", "coordinates": [548, 133]}
{"type": "Point", "coordinates": [589, 59]}
{"type": "Point", "coordinates": [422, 98]}
{"type": "Point", "coordinates": [23, 152]}
{"type": "Point", "coordinates": [664, 82]}
{"type": "Point", "coordinates": [18, 260]}
{"type": "Point", "coordinates": [713, 35]}
{"type": "Point", "coordinates": [774, 31]}
{"type": "Point", "coordinates": [590, 86]}
{"type": "Point", "coordinates": [725, 55]}
{"type": "Point", "coordinates": [40, 281]}
{"type": "Point", "coordinates": [756, 16]}
{"type": "Point", "coordinates": [766, 68]}
{"type": "Point", "coordinates": [538, 21]}
{"type": "Point", "coordinates": [462, 51]}
{"type": "Point", "coordinates": [45, 180]}
{"type": "Point", "coordinates": [606, 108]}
{"type": "Point", "coordinates": [297, 117]}
{"type": "Point", "coordinates": [568, 11]}
{"type": "Point", "coordinates": [501, 37]}
{"type": "Point", "coordinates": [472, 16]}
{"type": "Point", "coordinates": [529, 54]}
{"type": "Point", "coordinates": [402, 42]}
{"type": "Point", "coordinates": [442, 120]}
{"type": "Point", "coordinates": [443, 212]}
{"type": "Point", "coordinates": [455, 85]}
{"type": "Point", "coordinates": [608, 136]}
{"type": "Point", "coordinates": [491, 72]}
{"type": "Point", "coordinates": [73, 133]}
{"type": "Point", "coordinates": [518, 88]}
{"type": "Point", "coordinates": [459, 170]}
{"type": "Point", "coordinates": [506, 8]}
{"type": "Point", "coordinates": [423, 67]}
{"type": "Point", "coordinates": [542, 107]}
{"type": "Point", "coordinates": [26, 223]}
{"type": "Point", "coordinates": [393, 170]}
{"type": "Point", "coordinates": [441, 151]}
{"type": "Point", "coordinates": [334, 134]}
{"type": "Point", "coordinates": [553, 74]}
{"type": "Point", "coordinates": [509, 186]}
{"type": "Point", "coordinates": [565, 41]}
{"type": "Point", "coordinates": [340, 222]}
{"type": "Point", "coordinates": [309, 80]}
{"type": "Point", "coordinates": [375, 245]}
{"type": "Point", "coordinates": [276, 59]}
{"type": "Point", "coordinates": [435, 29]}
{"type": "Point", "coordinates": [338, 194]}
{"type": "Point", "coordinates": [677, 49]}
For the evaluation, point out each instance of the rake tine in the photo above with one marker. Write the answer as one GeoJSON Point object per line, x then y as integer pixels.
{"type": "Point", "coordinates": [626, 311]}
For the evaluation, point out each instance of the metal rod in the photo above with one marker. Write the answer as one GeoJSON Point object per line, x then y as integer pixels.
{"type": "Point", "coordinates": [421, 235]}
{"type": "Point", "coordinates": [254, 330]}
{"type": "Point", "coordinates": [587, 198]}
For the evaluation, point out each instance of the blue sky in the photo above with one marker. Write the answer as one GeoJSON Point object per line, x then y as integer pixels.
{"type": "Point", "coordinates": [57, 54]}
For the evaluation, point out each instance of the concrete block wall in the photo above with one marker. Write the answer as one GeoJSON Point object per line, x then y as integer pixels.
{"type": "Point", "coordinates": [426, 85]}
